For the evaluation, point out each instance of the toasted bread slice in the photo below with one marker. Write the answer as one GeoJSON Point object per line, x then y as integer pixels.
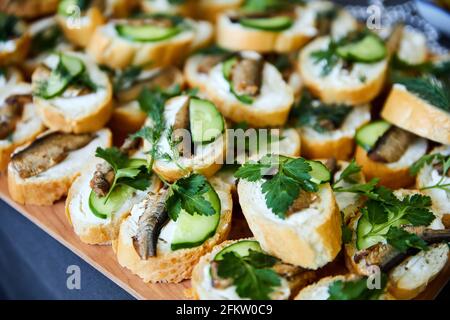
{"type": "Point", "coordinates": [14, 51]}
{"type": "Point", "coordinates": [80, 32]}
{"type": "Point", "coordinates": [202, 288]}
{"type": "Point", "coordinates": [170, 266]}
{"type": "Point", "coordinates": [270, 108]}
{"type": "Point", "coordinates": [413, 275]}
{"type": "Point", "coordinates": [206, 159]}
{"type": "Point", "coordinates": [85, 113]}
{"type": "Point", "coordinates": [29, 9]}
{"type": "Point", "coordinates": [359, 86]}
{"type": "Point", "coordinates": [235, 37]}
{"type": "Point", "coordinates": [52, 184]}
{"type": "Point", "coordinates": [90, 228]}
{"type": "Point", "coordinates": [319, 290]}
{"type": "Point", "coordinates": [211, 9]}
{"type": "Point", "coordinates": [339, 143]}
{"type": "Point", "coordinates": [27, 128]}
{"type": "Point", "coordinates": [187, 8]}
{"type": "Point", "coordinates": [396, 174]}
{"type": "Point", "coordinates": [309, 238]}
{"type": "Point", "coordinates": [407, 111]}
{"type": "Point", "coordinates": [428, 176]}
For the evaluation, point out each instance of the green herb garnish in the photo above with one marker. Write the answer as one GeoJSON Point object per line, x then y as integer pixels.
{"type": "Point", "coordinates": [251, 274]}
{"type": "Point", "coordinates": [442, 160]}
{"type": "Point", "coordinates": [187, 194]}
{"type": "Point", "coordinates": [319, 116]}
{"type": "Point", "coordinates": [8, 27]}
{"type": "Point", "coordinates": [291, 176]}
{"type": "Point", "coordinates": [45, 40]}
{"type": "Point", "coordinates": [131, 173]}
{"type": "Point", "coordinates": [355, 290]}
{"type": "Point", "coordinates": [126, 78]}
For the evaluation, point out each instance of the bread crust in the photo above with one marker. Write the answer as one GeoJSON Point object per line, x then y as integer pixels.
{"type": "Point", "coordinates": [175, 266]}
{"type": "Point", "coordinates": [234, 37]}
{"type": "Point", "coordinates": [119, 53]}
{"type": "Point", "coordinates": [413, 114]}
{"type": "Point", "coordinates": [22, 45]}
{"type": "Point", "coordinates": [341, 149]}
{"type": "Point", "coordinates": [39, 192]}
{"type": "Point", "coordinates": [29, 9]}
{"type": "Point", "coordinates": [391, 178]}
{"type": "Point", "coordinates": [81, 35]}
{"type": "Point", "coordinates": [210, 10]}
{"type": "Point", "coordinates": [284, 240]}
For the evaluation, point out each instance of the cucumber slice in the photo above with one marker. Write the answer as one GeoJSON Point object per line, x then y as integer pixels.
{"type": "Point", "coordinates": [226, 70]}
{"type": "Point", "coordinates": [147, 33]}
{"type": "Point", "coordinates": [368, 49]}
{"type": "Point", "coordinates": [58, 81]}
{"type": "Point", "coordinates": [206, 122]}
{"type": "Point", "coordinates": [363, 228]}
{"type": "Point", "coordinates": [319, 173]}
{"type": "Point", "coordinates": [192, 230]}
{"type": "Point", "coordinates": [103, 210]}
{"type": "Point", "coordinates": [136, 163]}
{"type": "Point", "coordinates": [268, 24]}
{"type": "Point", "coordinates": [369, 134]}
{"type": "Point", "coordinates": [241, 248]}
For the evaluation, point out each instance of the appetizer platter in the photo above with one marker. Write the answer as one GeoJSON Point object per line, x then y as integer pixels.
{"type": "Point", "coordinates": [230, 150]}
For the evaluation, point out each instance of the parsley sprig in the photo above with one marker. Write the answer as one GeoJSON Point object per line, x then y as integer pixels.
{"type": "Point", "coordinates": [443, 160]}
{"type": "Point", "coordinates": [291, 176]}
{"type": "Point", "coordinates": [251, 274]}
{"type": "Point", "coordinates": [134, 174]}
{"type": "Point", "coordinates": [385, 213]}
{"type": "Point", "coordinates": [188, 194]}
{"type": "Point", "coordinates": [356, 289]}
{"type": "Point", "coordinates": [350, 175]}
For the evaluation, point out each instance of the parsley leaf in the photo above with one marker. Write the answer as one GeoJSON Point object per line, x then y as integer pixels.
{"type": "Point", "coordinates": [288, 176]}
{"type": "Point", "coordinates": [188, 194]}
{"type": "Point", "coordinates": [349, 173]}
{"type": "Point", "coordinates": [125, 172]}
{"type": "Point", "coordinates": [443, 161]}
{"type": "Point", "coordinates": [250, 274]}
{"type": "Point", "coordinates": [403, 240]}
{"type": "Point", "coordinates": [355, 290]}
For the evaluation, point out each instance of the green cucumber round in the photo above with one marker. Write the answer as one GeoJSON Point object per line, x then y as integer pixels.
{"type": "Point", "coordinates": [116, 199]}
{"type": "Point", "coordinates": [368, 135]}
{"type": "Point", "coordinates": [319, 172]}
{"type": "Point", "coordinates": [58, 82]}
{"type": "Point", "coordinates": [148, 33]}
{"type": "Point", "coordinates": [206, 122]}
{"type": "Point", "coordinates": [268, 24]}
{"type": "Point", "coordinates": [368, 50]}
{"type": "Point", "coordinates": [362, 229]}
{"type": "Point", "coordinates": [192, 230]}
{"type": "Point", "coordinates": [241, 248]}
{"type": "Point", "coordinates": [136, 163]}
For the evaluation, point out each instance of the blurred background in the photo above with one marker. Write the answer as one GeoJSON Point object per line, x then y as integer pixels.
{"type": "Point", "coordinates": [34, 265]}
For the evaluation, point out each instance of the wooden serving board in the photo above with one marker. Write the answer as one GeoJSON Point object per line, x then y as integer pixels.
{"type": "Point", "coordinates": [54, 222]}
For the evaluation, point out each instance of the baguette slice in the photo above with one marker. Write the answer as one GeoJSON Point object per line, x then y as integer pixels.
{"type": "Point", "coordinates": [186, 8]}
{"type": "Point", "coordinates": [170, 266]}
{"type": "Point", "coordinates": [80, 34]}
{"type": "Point", "coordinates": [429, 176]}
{"type": "Point", "coordinates": [14, 51]}
{"type": "Point", "coordinates": [340, 85]}
{"type": "Point", "coordinates": [120, 8]}
{"type": "Point", "coordinates": [407, 111]}
{"type": "Point", "coordinates": [339, 143]}
{"type": "Point", "coordinates": [412, 48]}
{"type": "Point", "coordinates": [86, 225]}
{"type": "Point", "coordinates": [86, 113]}
{"type": "Point", "coordinates": [109, 48]}
{"type": "Point", "coordinates": [29, 9]}
{"type": "Point", "coordinates": [319, 290]}
{"type": "Point", "coordinates": [412, 276]}
{"type": "Point", "coordinates": [235, 37]}
{"type": "Point", "coordinates": [270, 108]}
{"type": "Point", "coordinates": [211, 9]}
{"type": "Point", "coordinates": [54, 183]}
{"type": "Point", "coordinates": [309, 238]}
{"type": "Point", "coordinates": [207, 159]}
{"type": "Point", "coordinates": [396, 174]}
{"type": "Point", "coordinates": [27, 128]}
{"type": "Point", "coordinates": [203, 290]}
